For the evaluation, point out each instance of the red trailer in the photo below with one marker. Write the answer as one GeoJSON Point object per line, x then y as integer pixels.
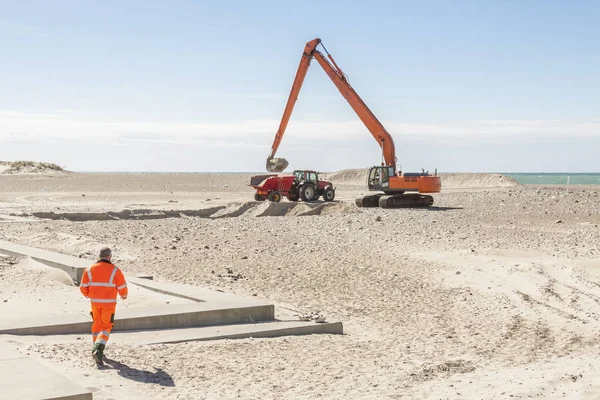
{"type": "Point", "coordinates": [304, 185]}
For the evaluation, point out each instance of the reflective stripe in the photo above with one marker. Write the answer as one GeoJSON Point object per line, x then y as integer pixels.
{"type": "Point", "coordinates": [105, 333]}
{"type": "Point", "coordinates": [95, 333]}
{"type": "Point", "coordinates": [102, 341]}
{"type": "Point", "coordinates": [104, 300]}
{"type": "Point", "coordinates": [112, 276]}
{"type": "Point", "coordinates": [84, 285]}
{"type": "Point", "coordinates": [102, 284]}
{"type": "Point", "coordinates": [89, 272]}
{"type": "Point", "coordinates": [123, 286]}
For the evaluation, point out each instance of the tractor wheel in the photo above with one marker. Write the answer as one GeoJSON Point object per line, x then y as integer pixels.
{"type": "Point", "coordinates": [329, 194]}
{"type": "Point", "coordinates": [275, 196]}
{"type": "Point", "coordinates": [258, 197]}
{"type": "Point", "coordinates": [307, 192]}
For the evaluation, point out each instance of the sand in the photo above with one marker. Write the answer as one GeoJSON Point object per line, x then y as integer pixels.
{"type": "Point", "coordinates": [492, 293]}
{"type": "Point", "coordinates": [449, 180]}
{"type": "Point", "coordinates": [30, 168]}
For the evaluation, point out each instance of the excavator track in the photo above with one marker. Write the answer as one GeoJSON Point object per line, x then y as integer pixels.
{"type": "Point", "coordinates": [368, 201]}
{"type": "Point", "coordinates": [395, 201]}
{"type": "Point", "coordinates": [405, 201]}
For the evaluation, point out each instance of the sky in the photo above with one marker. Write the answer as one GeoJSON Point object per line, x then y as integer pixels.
{"type": "Point", "coordinates": [200, 86]}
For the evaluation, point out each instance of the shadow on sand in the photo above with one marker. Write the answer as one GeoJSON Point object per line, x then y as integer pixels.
{"type": "Point", "coordinates": [159, 377]}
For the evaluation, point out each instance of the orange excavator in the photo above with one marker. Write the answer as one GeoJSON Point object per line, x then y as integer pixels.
{"type": "Point", "coordinates": [384, 178]}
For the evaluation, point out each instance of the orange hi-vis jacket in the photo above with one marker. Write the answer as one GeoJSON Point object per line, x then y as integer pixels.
{"type": "Point", "coordinates": [101, 282]}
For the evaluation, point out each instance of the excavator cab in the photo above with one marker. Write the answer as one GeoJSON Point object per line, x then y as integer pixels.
{"type": "Point", "coordinates": [379, 177]}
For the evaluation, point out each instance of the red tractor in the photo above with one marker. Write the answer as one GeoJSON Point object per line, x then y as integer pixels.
{"type": "Point", "coordinates": [303, 185]}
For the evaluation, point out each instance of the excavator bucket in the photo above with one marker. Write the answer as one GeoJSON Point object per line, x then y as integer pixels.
{"type": "Point", "coordinates": [276, 164]}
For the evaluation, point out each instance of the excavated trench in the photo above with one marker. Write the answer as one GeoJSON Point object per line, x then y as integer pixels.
{"type": "Point", "coordinates": [234, 210]}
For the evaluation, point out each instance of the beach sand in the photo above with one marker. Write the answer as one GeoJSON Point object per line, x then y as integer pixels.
{"type": "Point", "coordinates": [493, 293]}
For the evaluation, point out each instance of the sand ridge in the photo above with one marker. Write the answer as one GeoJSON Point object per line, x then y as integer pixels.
{"type": "Point", "coordinates": [449, 180]}
{"type": "Point", "coordinates": [29, 167]}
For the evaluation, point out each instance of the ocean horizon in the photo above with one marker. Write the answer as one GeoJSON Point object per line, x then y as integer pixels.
{"type": "Point", "coordinates": [555, 178]}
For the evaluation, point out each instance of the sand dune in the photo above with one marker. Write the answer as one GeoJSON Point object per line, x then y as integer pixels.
{"type": "Point", "coordinates": [29, 167]}
{"type": "Point", "coordinates": [350, 176]}
{"type": "Point", "coordinates": [477, 180]}
{"type": "Point", "coordinates": [449, 180]}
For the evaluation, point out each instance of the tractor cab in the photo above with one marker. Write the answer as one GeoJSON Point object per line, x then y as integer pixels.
{"type": "Point", "coordinates": [309, 187]}
{"type": "Point", "coordinates": [306, 176]}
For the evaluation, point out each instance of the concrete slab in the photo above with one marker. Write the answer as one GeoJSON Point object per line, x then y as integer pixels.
{"type": "Point", "coordinates": [164, 317]}
{"type": "Point", "coordinates": [46, 325]}
{"type": "Point", "coordinates": [72, 265]}
{"type": "Point", "coordinates": [26, 379]}
{"type": "Point", "coordinates": [195, 293]}
{"type": "Point", "coordinates": [239, 331]}
{"type": "Point", "coordinates": [211, 308]}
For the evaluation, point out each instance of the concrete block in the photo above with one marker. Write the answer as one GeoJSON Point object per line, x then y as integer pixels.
{"type": "Point", "coordinates": [215, 309]}
{"type": "Point", "coordinates": [195, 293]}
{"type": "Point", "coordinates": [240, 331]}
{"type": "Point", "coordinates": [72, 265]}
{"type": "Point", "coordinates": [26, 379]}
{"type": "Point", "coordinates": [70, 323]}
{"type": "Point", "coordinates": [191, 315]}
{"type": "Point", "coordinates": [165, 317]}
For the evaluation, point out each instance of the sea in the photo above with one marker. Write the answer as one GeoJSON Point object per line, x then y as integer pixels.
{"type": "Point", "coordinates": [553, 178]}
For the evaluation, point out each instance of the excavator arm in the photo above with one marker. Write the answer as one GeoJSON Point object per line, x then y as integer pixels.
{"type": "Point", "coordinates": [341, 82]}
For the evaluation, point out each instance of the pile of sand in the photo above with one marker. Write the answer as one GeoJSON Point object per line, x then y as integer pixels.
{"type": "Point", "coordinates": [477, 180]}
{"type": "Point", "coordinates": [231, 210]}
{"type": "Point", "coordinates": [449, 180]}
{"type": "Point", "coordinates": [349, 176]}
{"type": "Point", "coordinates": [29, 167]}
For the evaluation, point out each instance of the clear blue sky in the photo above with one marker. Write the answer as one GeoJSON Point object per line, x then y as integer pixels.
{"type": "Point", "coordinates": [201, 85]}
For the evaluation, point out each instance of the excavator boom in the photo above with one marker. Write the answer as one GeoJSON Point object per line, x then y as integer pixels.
{"type": "Point", "coordinates": [279, 164]}
{"type": "Point", "coordinates": [380, 134]}
{"type": "Point", "coordinates": [378, 131]}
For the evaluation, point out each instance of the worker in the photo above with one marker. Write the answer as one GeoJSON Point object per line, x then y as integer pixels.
{"type": "Point", "coordinates": [100, 283]}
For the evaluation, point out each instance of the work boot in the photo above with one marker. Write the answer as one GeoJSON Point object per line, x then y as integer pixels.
{"type": "Point", "coordinates": [97, 353]}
